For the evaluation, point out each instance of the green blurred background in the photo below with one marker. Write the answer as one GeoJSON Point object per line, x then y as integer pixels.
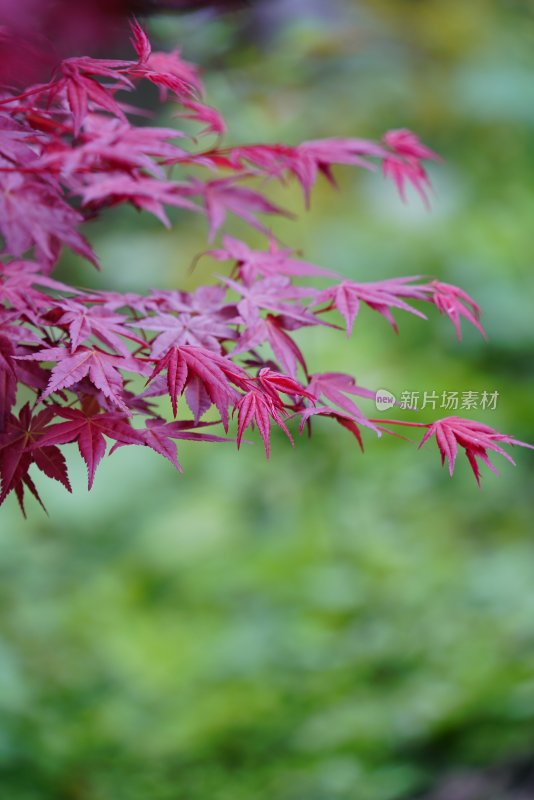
{"type": "Point", "coordinates": [328, 625]}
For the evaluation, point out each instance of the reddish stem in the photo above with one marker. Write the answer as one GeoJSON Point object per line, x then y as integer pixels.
{"type": "Point", "coordinates": [402, 422]}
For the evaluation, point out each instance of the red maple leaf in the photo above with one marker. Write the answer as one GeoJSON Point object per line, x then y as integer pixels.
{"type": "Point", "coordinates": [208, 116]}
{"type": "Point", "coordinates": [345, 420]}
{"type": "Point", "coordinates": [274, 293]}
{"type": "Point", "coordinates": [161, 436]}
{"type": "Point", "coordinates": [167, 71]}
{"type": "Point", "coordinates": [17, 281]}
{"type": "Point", "coordinates": [253, 264]}
{"type": "Point", "coordinates": [110, 144]}
{"type": "Point", "coordinates": [223, 194]}
{"type": "Point", "coordinates": [24, 443]}
{"type": "Point", "coordinates": [455, 303]}
{"type": "Point", "coordinates": [83, 322]}
{"type": "Point", "coordinates": [273, 383]}
{"type": "Point", "coordinates": [100, 367]}
{"type": "Point", "coordinates": [305, 161]}
{"type": "Point", "coordinates": [199, 369]}
{"type": "Point", "coordinates": [258, 408]}
{"type": "Point", "coordinates": [258, 329]}
{"type": "Point", "coordinates": [404, 165]}
{"type": "Point", "coordinates": [334, 387]}
{"type": "Point", "coordinates": [199, 330]}
{"type": "Point", "coordinates": [34, 214]}
{"type": "Point", "coordinates": [143, 192]}
{"type": "Point", "coordinates": [474, 437]}
{"type": "Point", "coordinates": [89, 428]}
{"type": "Point", "coordinates": [378, 295]}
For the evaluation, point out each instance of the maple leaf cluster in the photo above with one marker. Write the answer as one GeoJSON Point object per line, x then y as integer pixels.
{"type": "Point", "coordinates": [93, 368]}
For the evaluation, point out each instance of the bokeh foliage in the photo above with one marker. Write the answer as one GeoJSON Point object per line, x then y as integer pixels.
{"type": "Point", "coordinates": [326, 626]}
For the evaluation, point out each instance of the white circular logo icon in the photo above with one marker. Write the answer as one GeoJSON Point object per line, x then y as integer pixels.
{"type": "Point", "coordinates": [384, 399]}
